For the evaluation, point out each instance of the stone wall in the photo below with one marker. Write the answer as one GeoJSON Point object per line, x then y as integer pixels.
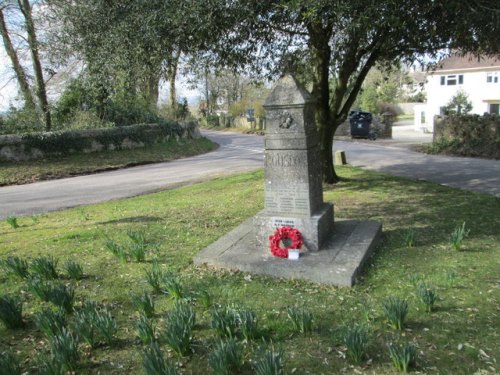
{"type": "Point", "coordinates": [39, 145]}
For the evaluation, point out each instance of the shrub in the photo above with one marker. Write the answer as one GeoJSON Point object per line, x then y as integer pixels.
{"type": "Point", "coordinates": [45, 267]}
{"type": "Point", "coordinates": [144, 303]}
{"type": "Point", "coordinates": [395, 310]}
{"type": "Point", "coordinates": [51, 323]}
{"type": "Point", "coordinates": [302, 320]}
{"type": "Point", "coordinates": [74, 270]}
{"type": "Point", "coordinates": [356, 339]}
{"type": "Point", "coordinates": [269, 362]}
{"type": "Point", "coordinates": [224, 321]}
{"type": "Point", "coordinates": [154, 363]}
{"type": "Point", "coordinates": [458, 235]}
{"type": "Point", "coordinates": [427, 296]}
{"type": "Point", "coordinates": [9, 364]}
{"type": "Point", "coordinates": [12, 221]}
{"type": "Point", "coordinates": [17, 266]}
{"type": "Point", "coordinates": [402, 356]}
{"type": "Point", "coordinates": [11, 312]}
{"type": "Point", "coordinates": [226, 358]}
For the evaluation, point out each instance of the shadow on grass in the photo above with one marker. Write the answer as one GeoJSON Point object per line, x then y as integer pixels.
{"type": "Point", "coordinates": [133, 219]}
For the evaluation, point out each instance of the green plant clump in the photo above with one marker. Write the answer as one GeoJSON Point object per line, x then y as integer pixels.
{"type": "Point", "coordinates": [179, 326]}
{"type": "Point", "coordinates": [12, 221]}
{"type": "Point", "coordinates": [248, 323]}
{"type": "Point", "coordinates": [427, 295]}
{"type": "Point", "coordinates": [356, 340]}
{"type": "Point", "coordinates": [11, 312]}
{"type": "Point", "coordinates": [224, 321]}
{"type": "Point", "coordinates": [395, 310]}
{"type": "Point", "coordinates": [154, 362]}
{"type": "Point", "coordinates": [457, 237]}
{"type": "Point", "coordinates": [154, 277]}
{"type": "Point", "coordinates": [62, 296]}
{"type": "Point", "coordinates": [9, 364]}
{"type": "Point", "coordinates": [64, 350]}
{"type": "Point", "coordinates": [45, 267]}
{"type": "Point", "coordinates": [145, 330]}
{"type": "Point", "coordinates": [410, 238]}
{"type": "Point", "coordinates": [227, 358]}
{"type": "Point", "coordinates": [172, 286]}
{"type": "Point", "coordinates": [51, 323]}
{"type": "Point", "coordinates": [402, 356]}
{"type": "Point", "coordinates": [269, 362]}
{"type": "Point", "coordinates": [74, 270]}
{"type": "Point", "coordinates": [145, 303]}
{"type": "Point", "coordinates": [17, 266]}
{"type": "Point", "coordinates": [302, 320]}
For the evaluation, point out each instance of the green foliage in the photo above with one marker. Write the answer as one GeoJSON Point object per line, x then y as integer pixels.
{"type": "Point", "coordinates": [51, 323]}
{"type": "Point", "coordinates": [18, 121]}
{"type": "Point", "coordinates": [457, 237]}
{"type": "Point", "coordinates": [145, 330]}
{"type": "Point", "coordinates": [64, 350]}
{"type": "Point", "coordinates": [269, 362]}
{"type": "Point", "coordinates": [74, 270]}
{"type": "Point", "coordinates": [9, 364]}
{"type": "Point", "coordinates": [205, 299]}
{"type": "Point", "coordinates": [301, 319]}
{"type": "Point", "coordinates": [410, 238]}
{"type": "Point", "coordinates": [224, 320]}
{"type": "Point", "coordinates": [17, 266]}
{"type": "Point", "coordinates": [227, 357]}
{"type": "Point", "coordinates": [92, 323]}
{"type": "Point", "coordinates": [179, 326]}
{"type": "Point", "coordinates": [12, 221]}
{"type": "Point", "coordinates": [117, 250]}
{"type": "Point", "coordinates": [247, 321]}
{"type": "Point", "coordinates": [39, 287]}
{"type": "Point", "coordinates": [154, 363]}
{"type": "Point", "coordinates": [395, 311]}
{"type": "Point", "coordinates": [459, 104]}
{"type": "Point", "coordinates": [402, 356]}
{"type": "Point", "coordinates": [139, 245]}
{"type": "Point", "coordinates": [145, 303]}
{"type": "Point", "coordinates": [427, 295]}
{"type": "Point", "coordinates": [11, 312]}
{"type": "Point", "coordinates": [62, 296]}
{"type": "Point", "coordinates": [45, 267]}
{"type": "Point", "coordinates": [154, 277]}
{"type": "Point", "coordinates": [356, 339]}
{"type": "Point", "coordinates": [172, 286]}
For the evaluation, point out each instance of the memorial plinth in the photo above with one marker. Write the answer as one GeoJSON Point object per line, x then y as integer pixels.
{"type": "Point", "coordinates": [293, 180]}
{"type": "Point", "coordinates": [332, 254]}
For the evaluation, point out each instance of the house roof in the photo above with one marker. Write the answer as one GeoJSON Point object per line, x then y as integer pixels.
{"type": "Point", "coordinates": [467, 62]}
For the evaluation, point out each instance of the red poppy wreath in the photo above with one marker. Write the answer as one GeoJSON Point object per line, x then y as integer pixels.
{"type": "Point", "coordinates": [286, 235]}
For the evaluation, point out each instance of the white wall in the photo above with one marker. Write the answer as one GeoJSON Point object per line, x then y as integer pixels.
{"type": "Point", "coordinates": [480, 92]}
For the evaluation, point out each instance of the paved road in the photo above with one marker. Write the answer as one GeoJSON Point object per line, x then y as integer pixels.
{"type": "Point", "coordinates": [240, 153]}
{"type": "Point", "coordinates": [236, 153]}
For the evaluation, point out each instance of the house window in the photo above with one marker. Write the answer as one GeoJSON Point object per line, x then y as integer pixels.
{"type": "Point", "coordinates": [492, 77]}
{"type": "Point", "coordinates": [495, 108]}
{"type": "Point", "coordinates": [452, 80]}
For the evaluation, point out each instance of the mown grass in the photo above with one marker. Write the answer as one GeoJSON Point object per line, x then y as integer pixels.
{"type": "Point", "coordinates": [460, 335]}
{"type": "Point", "coordinates": [77, 164]}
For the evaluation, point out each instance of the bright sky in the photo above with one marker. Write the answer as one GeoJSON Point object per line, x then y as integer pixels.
{"type": "Point", "coordinates": [8, 86]}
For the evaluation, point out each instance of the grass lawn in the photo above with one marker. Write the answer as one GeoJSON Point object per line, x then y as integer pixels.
{"type": "Point", "coordinates": [460, 336]}
{"type": "Point", "coordinates": [77, 164]}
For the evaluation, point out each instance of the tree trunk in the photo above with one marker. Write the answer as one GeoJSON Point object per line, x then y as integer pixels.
{"type": "Point", "coordinates": [321, 54]}
{"type": "Point", "coordinates": [172, 75]}
{"type": "Point", "coordinates": [18, 69]}
{"type": "Point", "coordinates": [41, 91]}
{"type": "Point", "coordinates": [153, 89]}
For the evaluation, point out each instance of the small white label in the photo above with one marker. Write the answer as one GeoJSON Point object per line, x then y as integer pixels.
{"type": "Point", "coordinates": [293, 254]}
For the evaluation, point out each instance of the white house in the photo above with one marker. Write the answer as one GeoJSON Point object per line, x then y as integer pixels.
{"type": "Point", "coordinates": [478, 78]}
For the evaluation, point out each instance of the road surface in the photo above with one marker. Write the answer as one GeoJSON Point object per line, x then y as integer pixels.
{"type": "Point", "coordinates": [239, 153]}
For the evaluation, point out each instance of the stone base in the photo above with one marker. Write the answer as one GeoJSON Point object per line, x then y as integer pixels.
{"type": "Point", "coordinates": [315, 229]}
{"type": "Point", "coordinates": [338, 263]}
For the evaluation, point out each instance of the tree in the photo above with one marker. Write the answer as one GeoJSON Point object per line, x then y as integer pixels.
{"type": "Point", "coordinates": [20, 73]}
{"type": "Point", "coordinates": [458, 104]}
{"type": "Point", "coordinates": [335, 44]}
